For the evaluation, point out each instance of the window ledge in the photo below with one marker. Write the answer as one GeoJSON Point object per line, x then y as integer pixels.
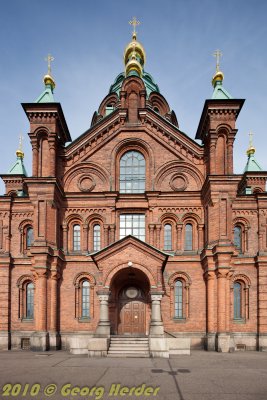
{"type": "Point", "coordinates": [27, 320]}
{"type": "Point", "coordinates": [84, 319]}
{"type": "Point", "coordinates": [179, 320]}
{"type": "Point", "coordinates": [239, 321]}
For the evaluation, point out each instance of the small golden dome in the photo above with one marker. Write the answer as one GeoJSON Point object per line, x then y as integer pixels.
{"type": "Point", "coordinates": [218, 77]}
{"type": "Point", "coordinates": [251, 150]}
{"type": "Point", "coordinates": [48, 80]}
{"type": "Point", "coordinates": [19, 153]}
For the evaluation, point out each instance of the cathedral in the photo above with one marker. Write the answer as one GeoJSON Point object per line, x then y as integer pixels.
{"type": "Point", "coordinates": [133, 238]}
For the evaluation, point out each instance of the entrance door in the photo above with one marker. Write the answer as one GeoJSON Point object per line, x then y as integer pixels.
{"type": "Point", "coordinates": [131, 312]}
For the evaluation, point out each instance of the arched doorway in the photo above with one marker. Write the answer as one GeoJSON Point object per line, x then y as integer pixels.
{"type": "Point", "coordinates": [130, 305]}
{"type": "Point", "coordinates": [131, 311]}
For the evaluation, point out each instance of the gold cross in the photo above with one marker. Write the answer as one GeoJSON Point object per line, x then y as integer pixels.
{"type": "Point", "coordinates": [217, 54]}
{"type": "Point", "coordinates": [251, 134]}
{"type": "Point", "coordinates": [49, 59]}
{"type": "Point", "coordinates": [134, 22]}
{"type": "Point", "coordinates": [20, 141]}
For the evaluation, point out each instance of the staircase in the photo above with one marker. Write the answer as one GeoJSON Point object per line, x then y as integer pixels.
{"type": "Point", "coordinates": [123, 346]}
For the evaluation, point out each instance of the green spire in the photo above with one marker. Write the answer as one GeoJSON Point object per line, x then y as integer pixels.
{"type": "Point", "coordinates": [18, 168]}
{"type": "Point", "coordinates": [252, 165]}
{"type": "Point", "coordinates": [47, 95]}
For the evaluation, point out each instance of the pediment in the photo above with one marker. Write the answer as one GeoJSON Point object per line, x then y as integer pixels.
{"type": "Point", "coordinates": [130, 249]}
{"type": "Point", "coordinates": [109, 128]}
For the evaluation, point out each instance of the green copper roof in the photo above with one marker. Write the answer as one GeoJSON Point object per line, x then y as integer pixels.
{"type": "Point", "coordinates": [47, 95]}
{"type": "Point", "coordinates": [18, 168]}
{"type": "Point", "coordinates": [252, 165]}
{"type": "Point", "coordinates": [220, 93]}
{"type": "Point", "coordinates": [148, 80]}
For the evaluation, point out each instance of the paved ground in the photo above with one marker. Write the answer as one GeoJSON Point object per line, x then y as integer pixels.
{"type": "Point", "coordinates": [201, 376]}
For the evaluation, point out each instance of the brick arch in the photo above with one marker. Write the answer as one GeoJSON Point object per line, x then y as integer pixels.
{"type": "Point", "coordinates": [24, 279]}
{"type": "Point", "coordinates": [127, 145]}
{"type": "Point", "coordinates": [94, 217]}
{"type": "Point", "coordinates": [241, 277]}
{"type": "Point", "coordinates": [84, 275]}
{"type": "Point", "coordinates": [179, 275]}
{"type": "Point", "coordinates": [169, 217]}
{"type": "Point", "coordinates": [157, 100]}
{"type": "Point", "coordinates": [24, 223]}
{"type": "Point", "coordinates": [111, 98]}
{"type": "Point", "coordinates": [108, 279]}
{"type": "Point", "coordinates": [86, 168]}
{"type": "Point", "coordinates": [223, 129]}
{"type": "Point", "coordinates": [242, 221]}
{"type": "Point", "coordinates": [173, 168]}
{"type": "Point", "coordinates": [41, 131]}
{"type": "Point", "coordinates": [191, 218]}
{"type": "Point", "coordinates": [72, 218]}
{"type": "Point", "coordinates": [133, 83]}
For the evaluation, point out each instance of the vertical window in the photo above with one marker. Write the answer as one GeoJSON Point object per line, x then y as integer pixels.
{"type": "Point", "coordinates": [238, 237]}
{"type": "Point", "coordinates": [29, 236]}
{"type": "Point", "coordinates": [96, 237]}
{"type": "Point", "coordinates": [188, 237]}
{"type": "Point", "coordinates": [178, 299]}
{"type": "Point", "coordinates": [109, 109]}
{"type": "Point", "coordinates": [132, 172]}
{"type": "Point", "coordinates": [29, 300]}
{"type": "Point", "coordinates": [76, 237]}
{"type": "Point", "coordinates": [85, 300]}
{"type": "Point", "coordinates": [237, 300]}
{"type": "Point", "coordinates": [167, 237]}
{"type": "Point", "coordinates": [132, 224]}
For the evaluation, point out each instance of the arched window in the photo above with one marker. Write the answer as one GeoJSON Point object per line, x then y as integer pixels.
{"type": "Point", "coordinates": [132, 172]}
{"type": "Point", "coordinates": [188, 245]}
{"type": "Point", "coordinates": [85, 303]}
{"type": "Point", "coordinates": [29, 300]}
{"type": "Point", "coordinates": [237, 300]}
{"type": "Point", "coordinates": [178, 299]}
{"type": "Point", "coordinates": [29, 236]}
{"type": "Point", "coordinates": [238, 237]}
{"type": "Point", "coordinates": [167, 237]}
{"type": "Point", "coordinates": [97, 238]}
{"type": "Point", "coordinates": [76, 237]}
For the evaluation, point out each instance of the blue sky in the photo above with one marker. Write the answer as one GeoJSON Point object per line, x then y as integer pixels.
{"type": "Point", "coordinates": [87, 39]}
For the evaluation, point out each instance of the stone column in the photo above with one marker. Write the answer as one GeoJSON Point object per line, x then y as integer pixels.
{"type": "Point", "coordinates": [85, 238]}
{"type": "Point", "coordinates": [158, 229]}
{"type": "Point", "coordinates": [39, 340]}
{"type": "Point", "coordinates": [65, 238]}
{"type": "Point", "coordinates": [223, 338]}
{"type": "Point", "coordinates": [35, 156]}
{"type": "Point", "coordinates": [151, 234]}
{"type": "Point", "coordinates": [52, 151]}
{"type": "Point", "coordinates": [112, 233]}
{"type": "Point", "coordinates": [156, 324]}
{"type": "Point", "coordinates": [262, 302]}
{"type": "Point", "coordinates": [179, 236]}
{"type": "Point", "coordinates": [103, 327]}
{"type": "Point", "coordinates": [106, 235]}
{"type": "Point", "coordinates": [210, 282]}
{"type": "Point", "coordinates": [4, 303]}
{"type": "Point", "coordinates": [53, 331]}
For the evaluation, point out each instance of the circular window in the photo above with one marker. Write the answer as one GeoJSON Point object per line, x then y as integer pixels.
{"type": "Point", "coordinates": [131, 292]}
{"type": "Point", "coordinates": [178, 182]}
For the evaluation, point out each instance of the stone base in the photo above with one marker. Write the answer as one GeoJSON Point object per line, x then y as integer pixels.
{"type": "Point", "coordinates": [210, 342]}
{"type": "Point", "coordinates": [156, 329]}
{"type": "Point", "coordinates": [4, 340]}
{"type": "Point", "coordinates": [223, 342]}
{"type": "Point", "coordinates": [78, 343]}
{"type": "Point", "coordinates": [178, 346]}
{"type": "Point", "coordinates": [262, 342]}
{"type": "Point", "coordinates": [54, 341]}
{"type": "Point", "coordinates": [103, 329]}
{"type": "Point", "coordinates": [98, 347]}
{"type": "Point", "coordinates": [158, 347]}
{"type": "Point", "coordinates": [39, 341]}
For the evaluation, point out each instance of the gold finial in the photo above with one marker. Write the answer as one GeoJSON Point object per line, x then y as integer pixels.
{"type": "Point", "coordinates": [134, 22]}
{"type": "Point", "coordinates": [19, 152]}
{"type": "Point", "coordinates": [48, 80]}
{"type": "Point", "coordinates": [218, 77]}
{"type": "Point", "coordinates": [49, 59]}
{"type": "Point", "coordinates": [251, 150]}
{"type": "Point", "coordinates": [217, 54]}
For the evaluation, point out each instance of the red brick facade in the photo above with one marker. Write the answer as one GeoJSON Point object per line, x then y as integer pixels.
{"type": "Point", "coordinates": [186, 184]}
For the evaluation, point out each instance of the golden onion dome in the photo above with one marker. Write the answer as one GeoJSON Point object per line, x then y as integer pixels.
{"type": "Point", "coordinates": [133, 66]}
{"type": "Point", "coordinates": [218, 77]}
{"type": "Point", "coordinates": [134, 48]}
{"type": "Point", "coordinates": [19, 153]}
{"type": "Point", "coordinates": [48, 80]}
{"type": "Point", "coordinates": [251, 150]}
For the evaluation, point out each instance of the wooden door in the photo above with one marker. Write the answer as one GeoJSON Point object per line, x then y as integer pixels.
{"type": "Point", "coordinates": [131, 313]}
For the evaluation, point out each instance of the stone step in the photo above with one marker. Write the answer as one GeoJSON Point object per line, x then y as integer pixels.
{"type": "Point", "coordinates": [126, 348]}
{"type": "Point", "coordinates": [129, 355]}
{"type": "Point", "coordinates": [129, 340]}
{"type": "Point", "coordinates": [121, 346]}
